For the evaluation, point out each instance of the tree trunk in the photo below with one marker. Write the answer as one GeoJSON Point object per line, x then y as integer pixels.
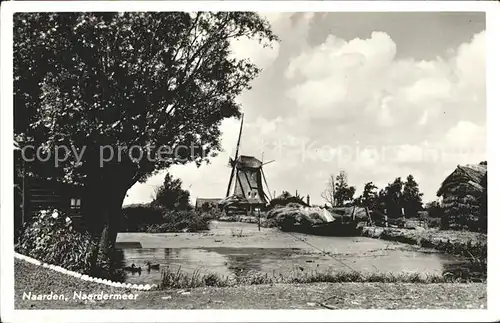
{"type": "Point", "coordinates": [103, 205]}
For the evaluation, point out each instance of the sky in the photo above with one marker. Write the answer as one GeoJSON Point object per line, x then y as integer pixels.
{"type": "Point", "coordinates": [377, 95]}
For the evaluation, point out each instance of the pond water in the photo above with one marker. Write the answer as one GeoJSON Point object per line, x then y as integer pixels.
{"type": "Point", "coordinates": [238, 248]}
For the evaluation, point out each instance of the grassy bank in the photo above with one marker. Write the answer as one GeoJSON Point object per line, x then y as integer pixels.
{"type": "Point", "coordinates": [41, 280]}
{"type": "Point", "coordinates": [471, 246]}
{"type": "Point", "coordinates": [180, 279]}
{"type": "Point", "coordinates": [264, 223]}
{"type": "Point", "coordinates": [462, 243]}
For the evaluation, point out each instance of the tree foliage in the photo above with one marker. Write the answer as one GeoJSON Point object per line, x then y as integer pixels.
{"type": "Point", "coordinates": [171, 196]}
{"type": "Point", "coordinates": [369, 196]}
{"type": "Point", "coordinates": [391, 196]}
{"type": "Point", "coordinates": [344, 193]}
{"type": "Point", "coordinates": [329, 193]}
{"type": "Point", "coordinates": [411, 197]}
{"type": "Point", "coordinates": [434, 209]}
{"type": "Point", "coordinates": [338, 192]}
{"type": "Point", "coordinates": [124, 80]}
{"type": "Point", "coordinates": [145, 79]}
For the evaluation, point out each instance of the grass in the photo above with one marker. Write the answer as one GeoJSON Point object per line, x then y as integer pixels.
{"type": "Point", "coordinates": [39, 280]}
{"type": "Point", "coordinates": [463, 243]}
{"type": "Point", "coordinates": [237, 233]}
{"type": "Point", "coordinates": [180, 279]}
{"type": "Point", "coordinates": [471, 246]}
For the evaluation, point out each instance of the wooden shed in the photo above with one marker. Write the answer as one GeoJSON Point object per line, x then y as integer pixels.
{"type": "Point", "coordinates": [207, 203]}
{"type": "Point", "coordinates": [33, 194]}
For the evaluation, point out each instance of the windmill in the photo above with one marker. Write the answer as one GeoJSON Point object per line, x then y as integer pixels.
{"type": "Point", "coordinates": [245, 190]}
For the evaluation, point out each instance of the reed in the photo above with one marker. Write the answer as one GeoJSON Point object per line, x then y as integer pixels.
{"type": "Point", "coordinates": [180, 279]}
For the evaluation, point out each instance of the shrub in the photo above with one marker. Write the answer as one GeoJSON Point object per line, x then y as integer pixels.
{"type": "Point", "coordinates": [433, 222]}
{"type": "Point", "coordinates": [179, 221]}
{"type": "Point", "coordinates": [50, 238]}
{"type": "Point", "coordinates": [138, 215]}
{"type": "Point", "coordinates": [213, 213]}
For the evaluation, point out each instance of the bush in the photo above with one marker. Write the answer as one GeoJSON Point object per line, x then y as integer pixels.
{"type": "Point", "coordinates": [138, 215]}
{"type": "Point", "coordinates": [179, 221]}
{"type": "Point", "coordinates": [50, 238]}
{"type": "Point", "coordinates": [433, 222]}
{"type": "Point", "coordinates": [212, 213]}
{"type": "Point", "coordinates": [157, 219]}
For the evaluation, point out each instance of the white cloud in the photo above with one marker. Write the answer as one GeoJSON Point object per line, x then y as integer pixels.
{"type": "Point", "coordinates": [339, 76]}
{"type": "Point", "coordinates": [466, 134]}
{"type": "Point", "coordinates": [263, 57]}
{"type": "Point", "coordinates": [395, 103]}
{"type": "Point", "coordinates": [341, 103]}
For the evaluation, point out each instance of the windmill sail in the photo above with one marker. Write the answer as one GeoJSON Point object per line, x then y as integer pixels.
{"type": "Point", "coordinates": [245, 190]}
{"type": "Point", "coordinates": [233, 162]}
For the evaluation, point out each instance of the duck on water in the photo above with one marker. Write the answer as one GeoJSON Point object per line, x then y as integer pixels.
{"type": "Point", "coordinates": [133, 268]}
{"type": "Point", "coordinates": [151, 266]}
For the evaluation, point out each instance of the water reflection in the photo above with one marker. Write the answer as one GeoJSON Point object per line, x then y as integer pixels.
{"type": "Point", "coordinates": [275, 261]}
{"type": "Point", "coordinates": [278, 255]}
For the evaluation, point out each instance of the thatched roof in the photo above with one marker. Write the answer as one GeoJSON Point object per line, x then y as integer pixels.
{"type": "Point", "coordinates": [468, 179]}
{"type": "Point", "coordinates": [316, 215]}
{"type": "Point", "coordinates": [285, 200]}
{"type": "Point", "coordinates": [358, 213]}
{"type": "Point", "coordinates": [239, 200]}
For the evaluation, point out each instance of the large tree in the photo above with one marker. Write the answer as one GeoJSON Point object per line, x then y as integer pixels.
{"type": "Point", "coordinates": [392, 198]}
{"type": "Point", "coordinates": [369, 196]}
{"type": "Point", "coordinates": [411, 197]}
{"type": "Point", "coordinates": [338, 192]}
{"type": "Point", "coordinates": [344, 193]}
{"type": "Point", "coordinates": [329, 193]}
{"type": "Point", "coordinates": [113, 84]}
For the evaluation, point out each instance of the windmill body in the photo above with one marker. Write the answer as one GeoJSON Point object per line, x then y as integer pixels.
{"type": "Point", "coordinates": [245, 191]}
{"type": "Point", "coordinates": [248, 180]}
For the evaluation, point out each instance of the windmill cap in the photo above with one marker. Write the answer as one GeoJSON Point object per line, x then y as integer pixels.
{"type": "Point", "coordinates": [248, 162]}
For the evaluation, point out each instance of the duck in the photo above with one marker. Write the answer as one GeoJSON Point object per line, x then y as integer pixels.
{"type": "Point", "coordinates": [150, 266]}
{"type": "Point", "coordinates": [133, 268]}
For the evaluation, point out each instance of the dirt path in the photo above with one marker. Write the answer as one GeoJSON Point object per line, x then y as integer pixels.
{"type": "Point", "coordinates": [39, 280]}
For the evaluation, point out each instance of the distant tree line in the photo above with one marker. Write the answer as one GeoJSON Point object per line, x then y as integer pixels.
{"type": "Point", "coordinates": [396, 199]}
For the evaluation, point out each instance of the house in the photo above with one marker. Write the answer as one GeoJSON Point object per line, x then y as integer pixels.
{"type": "Point", "coordinates": [463, 196]}
{"type": "Point", "coordinates": [33, 194]}
{"type": "Point", "coordinates": [207, 203]}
